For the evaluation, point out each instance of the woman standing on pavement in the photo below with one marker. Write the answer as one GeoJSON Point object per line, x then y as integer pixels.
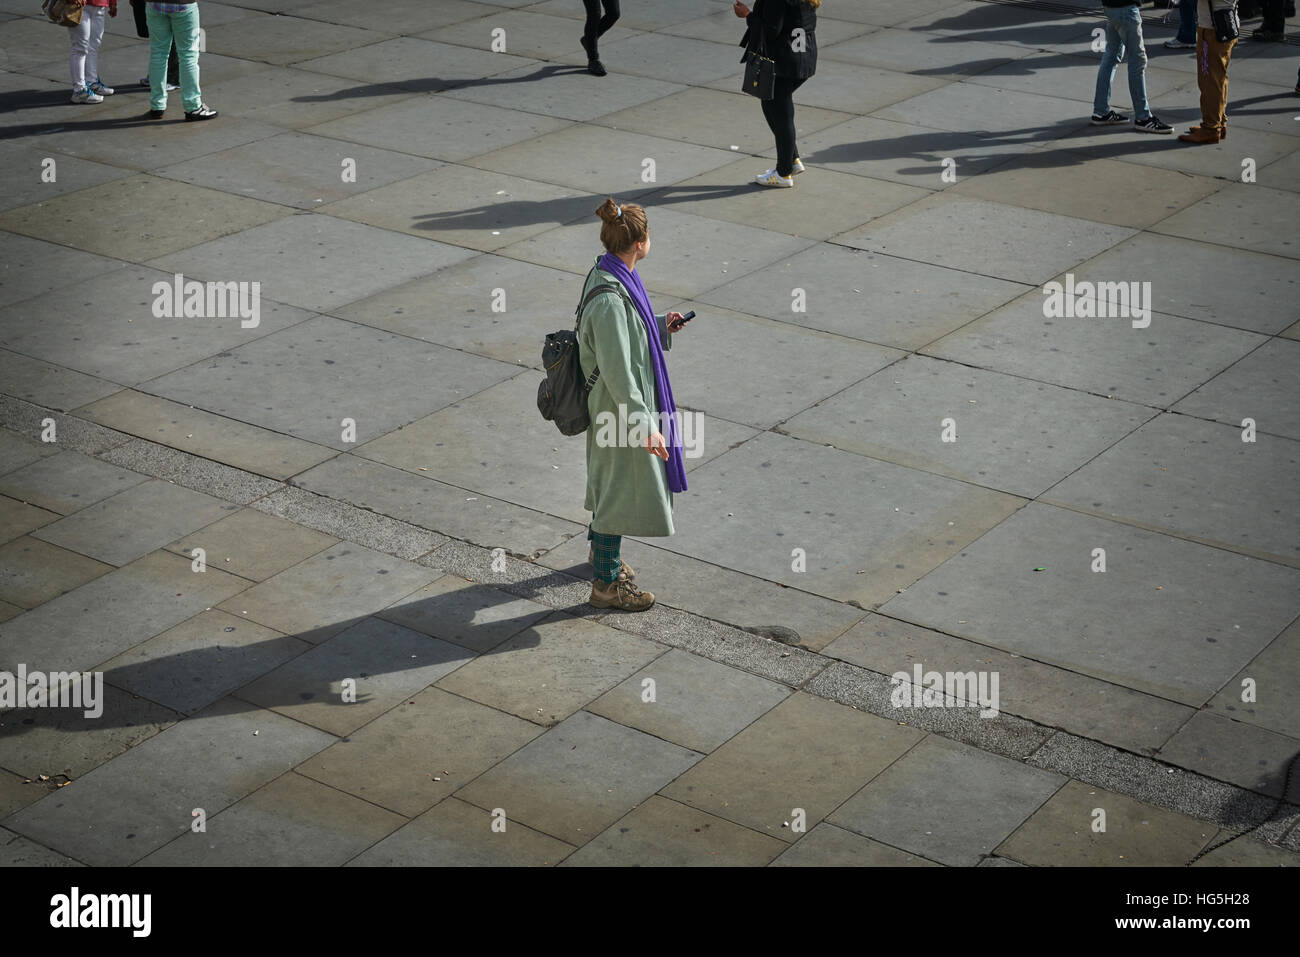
{"type": "Point", "coordinates": [787, 29]}
{"type": "Point", "coordinates": [630, 483]}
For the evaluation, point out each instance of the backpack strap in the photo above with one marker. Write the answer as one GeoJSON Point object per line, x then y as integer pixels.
{"type": "Point", "coordinates": [577, 313]}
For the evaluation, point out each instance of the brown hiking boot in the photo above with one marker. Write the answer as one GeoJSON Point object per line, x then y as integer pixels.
{"type": "Point", "coordinates": [1199, 134]}
{"type": "Point", "coordinates": [1223, 133]}
{"type": "Point", "coordinates": [624, 569]}
{"type": "Point", "coordinates": [620, 594]}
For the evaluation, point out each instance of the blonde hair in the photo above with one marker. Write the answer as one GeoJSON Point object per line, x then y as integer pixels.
{"type": "Point", "coordinates": [622, 226]}
{"type": "Point", "coordinates": [813, 3]}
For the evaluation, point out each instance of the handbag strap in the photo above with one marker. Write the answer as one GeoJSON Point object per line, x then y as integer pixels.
{"type": "Point", "coordinates": [592, 293]}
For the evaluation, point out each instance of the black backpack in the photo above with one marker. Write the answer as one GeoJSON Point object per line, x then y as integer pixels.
{"type": "Point", "coordinates": [562, 395]}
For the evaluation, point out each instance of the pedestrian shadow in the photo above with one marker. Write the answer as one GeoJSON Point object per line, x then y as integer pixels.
{"type": "Point", "coordinates": [461, 625]}
{"type": "Point", "coordinates": [433, 84]}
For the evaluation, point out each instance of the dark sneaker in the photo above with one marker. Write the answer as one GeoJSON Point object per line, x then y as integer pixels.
{"type": "Point", "coordinates": [1108, 118]}
{"type": "Point", "coordinates": [156, 114]}
{"type": "Point", "coordinates": [1271, 36]}
{"type": "Point", "coordinates": [204, 112]}
{"type": "Point", "coordinates": [1152, 124]}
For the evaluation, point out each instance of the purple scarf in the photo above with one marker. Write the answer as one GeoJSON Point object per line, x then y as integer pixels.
{"type": "Point", "coordinates": [673, 466]}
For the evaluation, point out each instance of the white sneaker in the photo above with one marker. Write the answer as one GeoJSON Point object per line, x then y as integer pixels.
{"type": "Point", "coordinates": [99, 88]}
{"type": "Point", "coordinates": [798, 167]}
{"type": "Point", "coordinates": [1177, 44]}
{"type": "Point", "coordinates": [169, 87]}
{"type": "Point", "coordinates": [86, 96]}
{"type": "Point", "coordinates": [773, 178]}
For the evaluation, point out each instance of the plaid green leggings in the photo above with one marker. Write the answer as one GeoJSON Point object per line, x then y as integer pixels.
{"type": "Point", "coordinates": [604, 549]}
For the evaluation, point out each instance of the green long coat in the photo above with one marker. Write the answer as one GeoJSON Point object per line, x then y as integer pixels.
{"type": "Point", "coordinates": [627, 487]}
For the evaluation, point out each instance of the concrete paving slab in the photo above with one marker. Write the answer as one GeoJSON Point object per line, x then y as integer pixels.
{"type": "Point", "coordinates": [25, 273]}
{"type": "Point", "coordinates": [665, 13]}
{"type": "Point", "coordinates": [672, 59]}
{"type": "Point", "coordinates": [663, 833]}
{"type": "Point", "coordinates": [18, 851]}
{"type": "Point", "coordinates": [527, 33]}
{"type": "Point", "coordinates": [18, 451]}
{"type": "Point", "coordinates": [137, 142]}
{"type": "Point", "coordinates": [821, 206]}
{"type": "Point", "coordinates": [1260, 300]}
{"type": "Point", "coordinates": [439, 127]}
{"type": "Point", "coordinates": [67, 481]}
{"type": "Point", "coordinates": [253, 545]}
{"type": "Point", "coordinates": [1258, 387]}
{"type": "Point", "coordinates": [852, 551]}
{"type": "Point", "coordinates": [806, 753]}
{"type": "Point", "coordinates": [801, 365]}
{"type": "Point", "coordinates": [906, 153]}
{"type": "Point", "coordinates": [32, 571]}
{"type": "Point", "coordinates": [293, 98]}
{"type": "Point", "coordinates": [1281, 174]}
{"type": "Point", "coordinates": [724, 120]}
{"type": "Point", "coordinates": [829, 846]}
{"type": "Point", "coordinates": [469, 614]}
{"type": "Point", "coordinates": [421, 66]}
{"type": "Point", "coordinates": [298, 169]}
{"type": "Point", "coordinates": [357, 524]}
{"type": "Point", "coordinates": [19, 518]}
{"type": "Point", "coordinates": [202, 433]}
{"type": "Point", "coordinates": [565, 92]}
{"type": "Point", "coordinates": [848, 88]}
{"type": "Point", "coordinates": [298, 260]}
{"type": "Point", "coordinates": [603, 161]}
{"type": "Point", "coordinates": [371, 377]}
{"type": "Point", "coordinates": [203, 659]}
{"type": "Point", "coordinates": [1270, 674]}
{"type": "Point", "coordinates": [902, 807]}
{"type": "Point", "coordinates": [918, 52]}
{"type": "Point", "coordinates": [718, 593]}
{"type": "Point", "coordinates": [329, 592]}
{"type": "Point", "coordinates": [531, 300]}
{"type": "Point", "coordinates": [48, 385]}
{"type": "Point", "coordinates": [1200, 619]}
{"type": "Point", "coordinates": [8, 611]}
{"type": "Point", "coordinates": [1003, 242]}
{"type": "Point", "coordinates": [1048, 73]}
{"type": "Point", "coordinates": [900, 414]}
{"type": "Point", "coordinates": [454, 833]}
{"type": "Point", "coordinates": [467, 207]}
{"type": "Point", "coordinates": [427, 503]}
{"type": "Point", "coordinates": [579, 778]}
{"type": "Point", "coordinates": [122, 811]}
{"type": "Point", "coordinates": [1102, 190]}
{"type": "Point", "coordinates": [291, 822]}
{"type": "Point", "coordinates": [1154, 366]}
{"type": "Point", "coordinates": [1052, 697]}
{"type": "Point", "coordinates": [286, 38]}
{"type": "Point", "coordinates": [135, 521]}
{"type": "Point", "coordinates": [415, 755]}
{"type": "Point", "coordinates": [867, 296]}
{"type": "Point", "coordinates": [697, 703]}
{"type": "Point", "coordinates": [1033, 28]}
{"type": "Point", "coordinates": [1228, 750]}
{"type": "Point", "coordinates": [1137, 835]}
{"type": "Point", "coordinates": [197, 214]}
{"type": "Point", "coordinates": [698, 254]}
{"type": "Point", "coordinates": [1244, 216]}
{"type": "Point", "coordinates": [723, 27]}
{"type": "Point", "coordinates": [114, 334]}
{"type": "Point", "coordinates": [386, 664]}
{"type": "Point", "coordinates": [1008, 115]}
{"type": "Point", "coordinates": [552, 668]}
{"type": "Point", "coordinates": [1246, 852]}
{"type": "Point", "coordinates": [1168, 471]}
{"type": "Point", "coordinates": [412, 15]}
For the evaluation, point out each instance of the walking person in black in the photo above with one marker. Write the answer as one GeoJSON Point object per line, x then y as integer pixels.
{"type": "Point", "coordinates": [787, 28]}
{"type": "Point", "coordinates": [595, 26]}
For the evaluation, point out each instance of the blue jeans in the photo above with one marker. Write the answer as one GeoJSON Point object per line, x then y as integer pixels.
{"type": "Point", "coordinates": [181, 30]}
{"type": "Point", "coordinates": [1187, 21]}
{"type": "Point", "coordinates": [1123, 35]}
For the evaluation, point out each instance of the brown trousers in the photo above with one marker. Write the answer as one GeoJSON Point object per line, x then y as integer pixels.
{"type": "Point", "coordinates": [1212, 77]}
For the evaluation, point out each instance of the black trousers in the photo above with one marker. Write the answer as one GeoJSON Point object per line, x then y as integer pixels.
{"type": "Point", "coordinates": [596, 24]}
{"type": "Point", "coordinates": [1274, 15]}
{"type": "Point", "coordinates": [779, 113]}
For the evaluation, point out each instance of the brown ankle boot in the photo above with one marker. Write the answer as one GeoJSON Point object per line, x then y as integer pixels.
{"type": "Point", "coordinates": [620, 594]}
{"type": "Point", "coordinates": [1199, 134]}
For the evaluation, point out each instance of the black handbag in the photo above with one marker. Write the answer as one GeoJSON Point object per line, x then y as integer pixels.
{"type": "Point", "coordinates": [1227, 25]}
{"type": "Point", "coordinates": [760, 69]}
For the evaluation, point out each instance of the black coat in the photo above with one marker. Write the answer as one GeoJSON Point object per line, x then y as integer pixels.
{"type": "Point", "coordinates": [777, 20]}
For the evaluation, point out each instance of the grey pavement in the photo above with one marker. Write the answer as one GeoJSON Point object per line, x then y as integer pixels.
{"type": "Point", "coordinates": [331, 565]}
